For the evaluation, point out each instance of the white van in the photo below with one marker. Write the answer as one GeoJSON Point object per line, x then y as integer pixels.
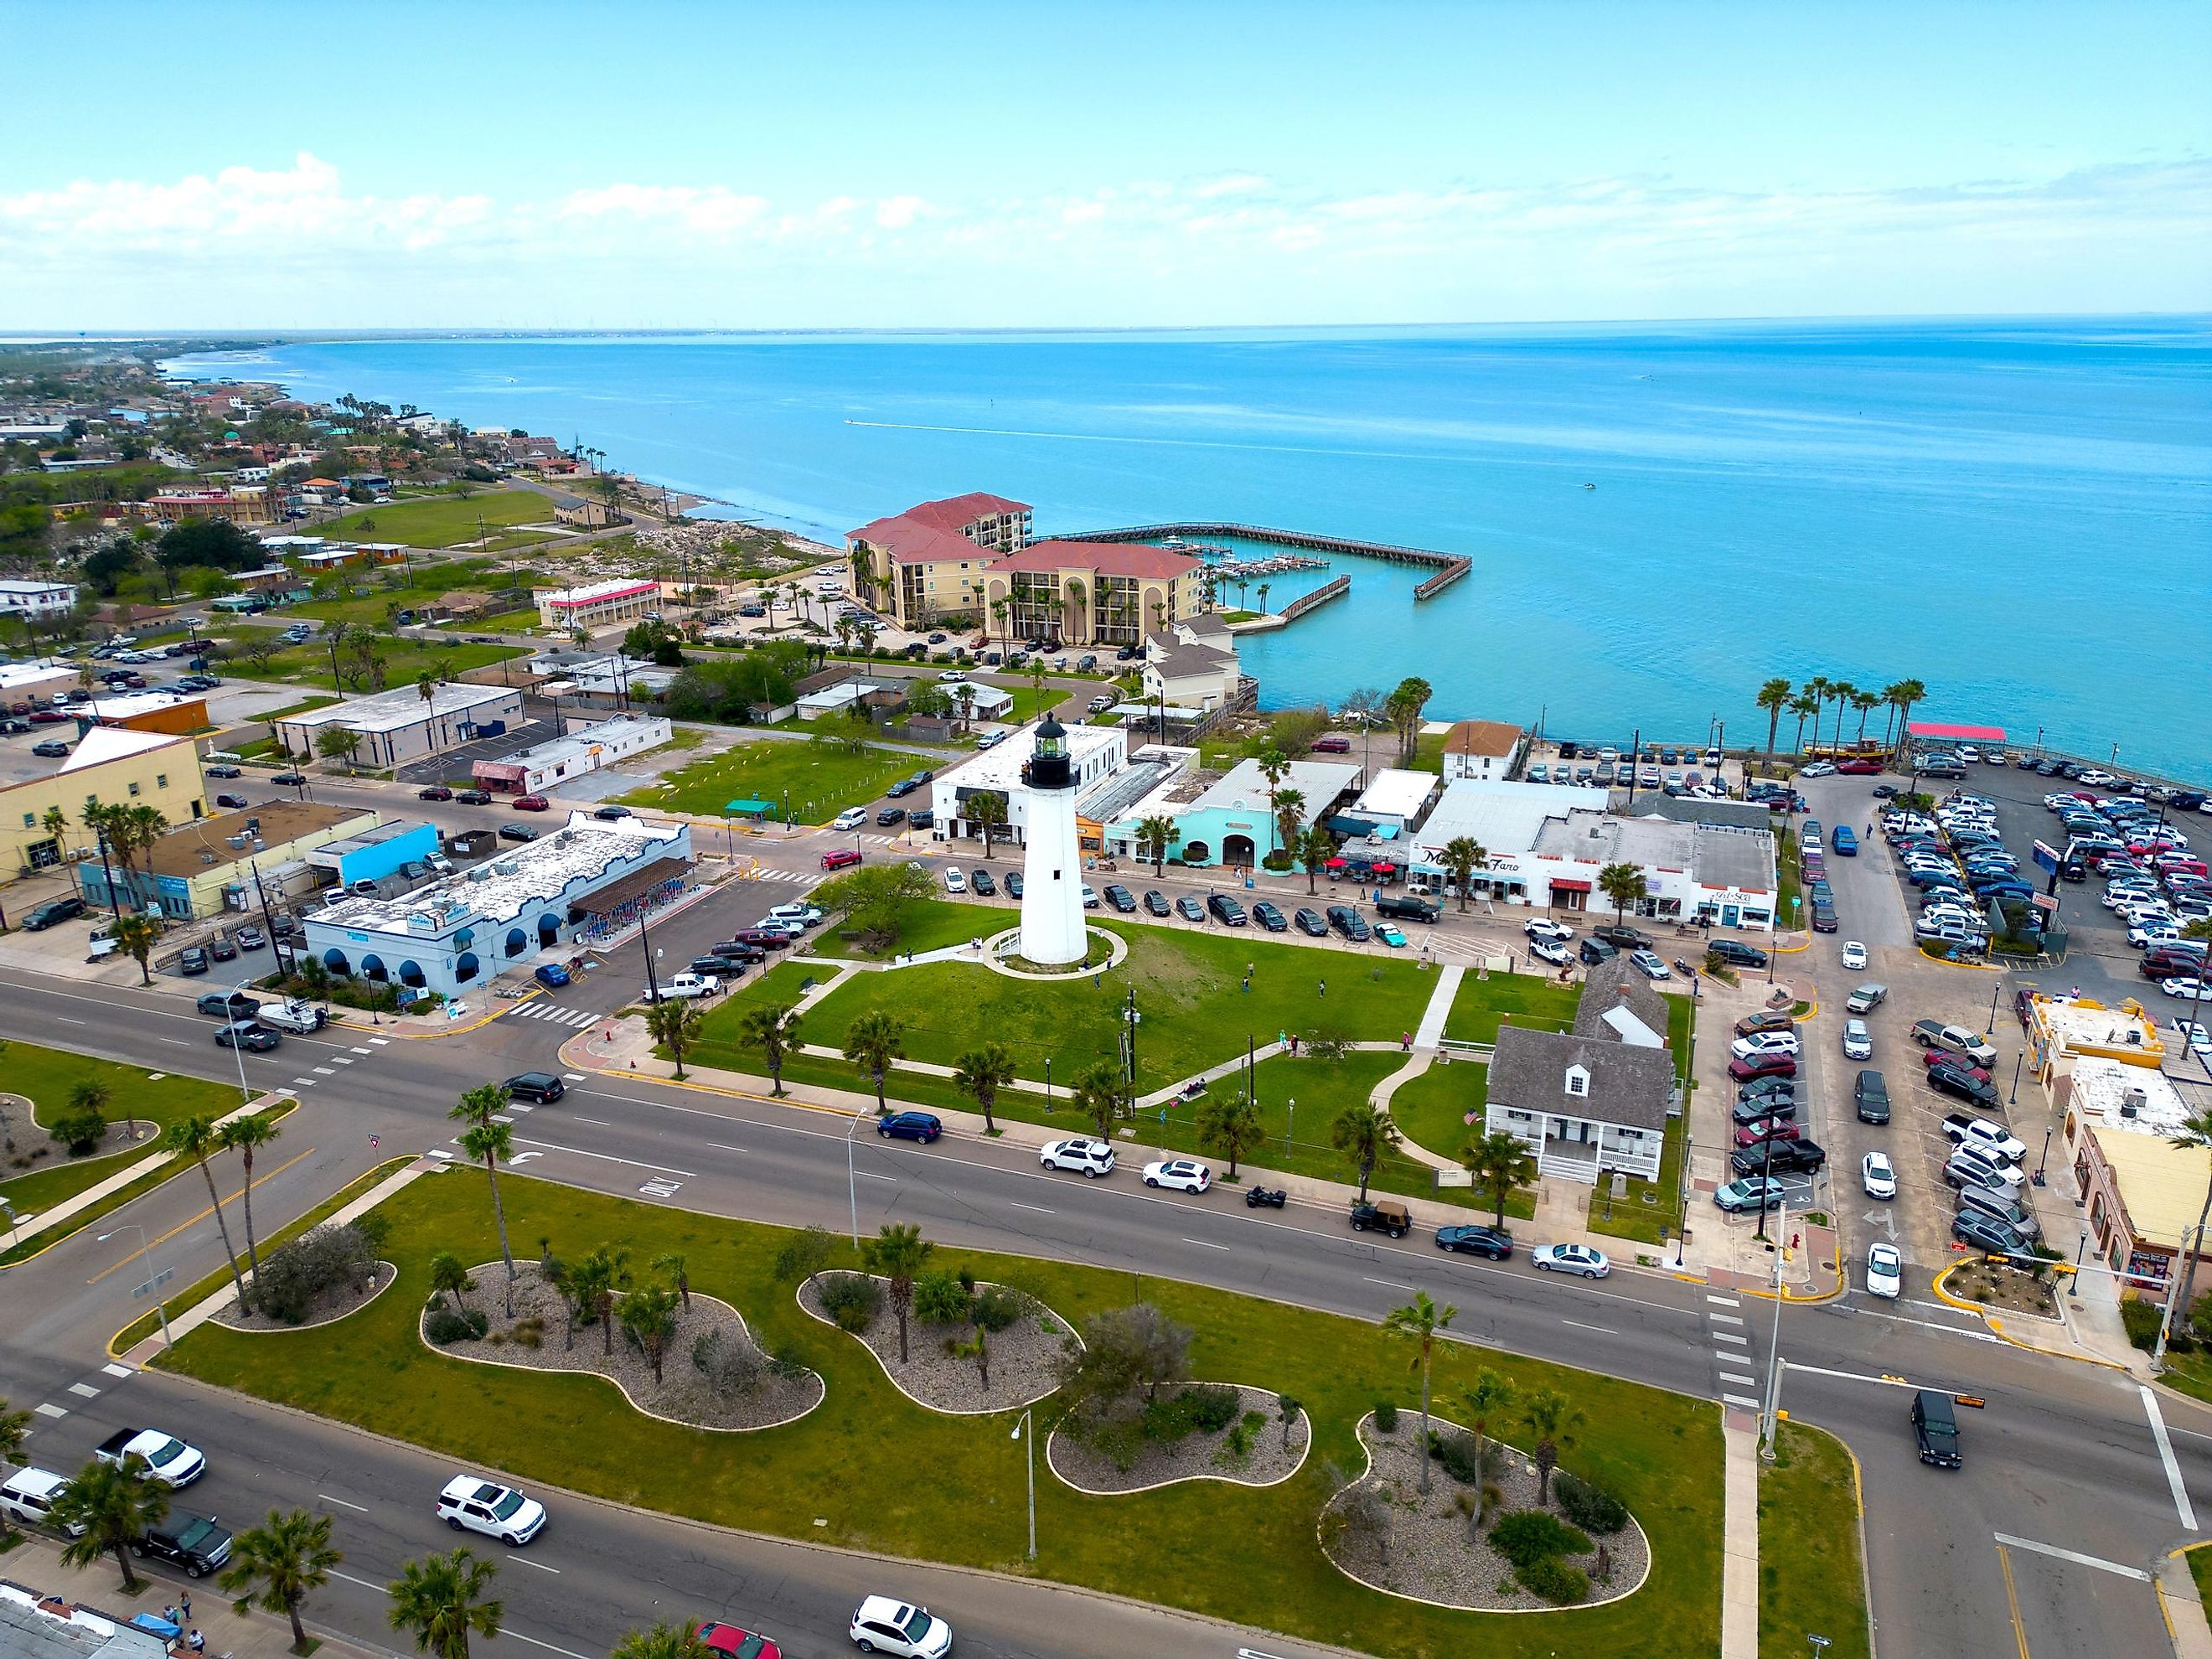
{"type": "Point", "coordinates": [851, 818]}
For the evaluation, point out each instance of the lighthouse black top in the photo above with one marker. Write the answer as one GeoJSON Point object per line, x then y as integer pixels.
{"type": "Point", "coordinates": [1049, 767]}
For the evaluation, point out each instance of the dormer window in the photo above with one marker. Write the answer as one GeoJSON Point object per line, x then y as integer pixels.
{"type": "Point", "coordinates": [1577, 1082]}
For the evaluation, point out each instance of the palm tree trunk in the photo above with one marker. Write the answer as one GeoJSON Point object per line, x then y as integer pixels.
{"type": "Point", "coordinates": [299, 1631]}
{"type": "Point", "coordinates": [499, 1212]}
{"type": "Point", "coordinates": [122, 1560]}
{"type": "Point", "coordinates": [986, 1098]}
{"type": "Point", "coordinates": [901, 1320]}
{"type": "Point", "coordinates": [246, 1196]}
{"type": "Point", "coordinates": [223, 1227]}
{"type": "Point", "coordinates": [1366, 1169]}
{"type": "Point", "coordinates": [1425, 1424]}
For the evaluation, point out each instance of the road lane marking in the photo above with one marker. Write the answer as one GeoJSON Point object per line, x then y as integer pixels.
{"type": "Point", "coordinates": [64, 1019]}
{"type": "Point", "coordinates": [84, 1390]}
{"type": "Point", "coordinates": [379, 1043]}
{"type": "Point", "coordinates": [1724, 1319]}
{"type": "Point", "coordinates": [303, 1083]}
{"type": "Point", "coordinates": [2076, 1557]}
{"type": "Point", "coordinates": [2166, 1456]}
{"type": "Point", "coordinates": [1039, 1208]}
{"type": "Point", "coordinates": [869, 1175]}
{"type": "Point", "coordinates": [527, 1562]}
{"type": "Point", "coordinates": [1738, 1377]}
{"type": "Point", "coordinates": [341, 1503]}
{"type": "Point", "coordinates": [1730, 1336]}
{"type": "Point", "coordinates": [2012, 1601]}
{"type": "Point", "coordinates": [325, 1071]}
{"type": "Point", "coordinates": [519, 1637]}
{"type": "Point", "coordinates": [1724, 1301]}
{"type": "Point", "coordinates": [381, 1589]}
{"type": "Point", "coordinates": [1394, 1284]}
{"type": "Point", "coordinates": [178, 1042]}
{"type": "Point", "coordinates": [724, 1146]}
{"type": "Point", "coordinates": [340, 1060]}
{"type": "Point", "coordinates": [607, 1158]}
{"type": "Point", "coordinates": [1603, 1330]}
{"type": "Point", "coordinates": [44, 1410]}
{"type": "Point", "coordinates": [258, 1181]}
{"type": "Point", "coordinates": [596, 1122]}
{"type": "Point", "coordinates": [119, 1370]}
{"type": "Point", "coordinates": [1205, 1244]}
{"type": "Point", "coordinates": [360, 1051]}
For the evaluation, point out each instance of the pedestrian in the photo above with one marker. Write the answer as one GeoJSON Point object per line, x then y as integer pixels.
{"type": "Point", "coordinates": [195, 1642]}
{"type": "Point", "coordinates": [1294, 1045]}
{"type": "Point", "coordinates": [1247, 979]}
{"type": "Point", "coordinates": [1405, 1043]}
{"type": "Point", "coordinates": [1324, 988]}
{"type": "Point", "coordinates": [185, 1607]}
{"type": "Point", "coordinates": [169, 1615]}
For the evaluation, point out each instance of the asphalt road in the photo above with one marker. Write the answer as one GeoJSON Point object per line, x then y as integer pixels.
{"type": "Point", "coordinates": [2065, 1455]}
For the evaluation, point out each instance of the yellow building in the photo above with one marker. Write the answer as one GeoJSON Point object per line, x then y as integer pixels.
{"type": "Point", "coordinates": [109, 766]}
{"type": "Point", "coordinates": [206, 868]}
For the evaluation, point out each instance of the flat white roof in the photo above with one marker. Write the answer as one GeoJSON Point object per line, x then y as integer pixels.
{"type": "Point", "coordinates": [37, 587]}
{"type": "Point", "coordinates": [1396, 792]}
{"type": "Point", "coordinates": [581, 741]}
{"type": "Point", "coordinates": [1000, 766]}
{"type": "Point", "coordinates": [402, 706]}
{"type": "Point", "coordinates": [1244, 788]}
{"type": "Point", "coordinates": [108, 743]}
{"type": "Point", "coordinates": [138, 702]}
{"type": "Point", "coordinates": [1505, 818]}
{"type": "Point", "coordinates": [30, 673]}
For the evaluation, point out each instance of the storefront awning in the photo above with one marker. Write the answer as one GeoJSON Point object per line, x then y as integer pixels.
{"type": "Point", "coordinates": [636, 884]}
{"type": "Point", "coordinates": [1344, 826]}
{"type": "Point", "coordinates": [1559, 886]}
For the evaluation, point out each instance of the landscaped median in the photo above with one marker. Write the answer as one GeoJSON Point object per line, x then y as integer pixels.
{"type": "Point", "coordinates": [1812, 1577]}
{"type": "Point", "coordinates": [873, 1469]}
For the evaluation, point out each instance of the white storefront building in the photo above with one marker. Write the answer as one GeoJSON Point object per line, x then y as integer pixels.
{"type": "Point", "coordinates": [1094, 752]}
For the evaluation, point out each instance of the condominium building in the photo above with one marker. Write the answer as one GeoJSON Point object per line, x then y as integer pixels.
{"type": "Point", "coordinates": [1113, 593]}
{"type": "Point", "coordinates": [925, 565]}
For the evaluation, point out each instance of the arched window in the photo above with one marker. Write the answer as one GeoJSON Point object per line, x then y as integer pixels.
{"type": "Point", "coordinates": [549, 932]}
{"type": "Point", "coordinates": [372, 967]}
{"type": "Point", "coordinates": [517, 941]}
{"type": "Point", "coordinates": [465, 969]}
{"type": "Point", "coordinates": [337, 962]}
{"type": "Point", "coordinates": [411, 973]}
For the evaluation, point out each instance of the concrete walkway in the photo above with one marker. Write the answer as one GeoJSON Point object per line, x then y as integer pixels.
{"type": "Point", "coordinates": [36, 1564]}
{"type": "Point", "coordinates": [1740, 1539]}
{"type": "Point", "coordinates": [2184, 1608]}
{"type": "Point", "coordinates": [1431, 1032]}
{"type": "Point", "coordinates": [1380, 1097]}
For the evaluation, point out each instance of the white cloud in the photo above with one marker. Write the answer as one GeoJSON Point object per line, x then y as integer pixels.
{"type": "Point", "coordinates": [283, 246]}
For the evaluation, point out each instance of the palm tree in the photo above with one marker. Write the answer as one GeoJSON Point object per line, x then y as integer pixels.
{"type": "Point", "coordinates": [1101, 1094]}
{"type": "Point", "coordinates": [1773, 697]}
{"type": "Point", "coordinates": [648, 1317]}
{"type": "Point", "coordinates": [1818, 690]}
{"type": "Point", "coordinates": [897, 1254]}
{"type": "Point", "coordinates": [136, 934]}
{"type": "Point", "coordinates": [1463, 856]}
{"type": "Point", "coordinates": [244, 1134]}
{"type": "Point", "coordinates": [195, 1138]}
{"type": "Point", "coordinates": [1551, 1418]}
{"type": "Point", "coordinates": [288, 1555]}
{"type": "Point", "coordinates": [964, 696]}
{"type": "Point", "coordinates": [1908, 693]}
{"type": "Point", "coordinates": [662, 1641]}
{"type": "Point", "coordinates": [1275, 766]}
{"type": "Point", "coordinates": [2193, 1132]}
{"type": "Point", "coordinates": [1363, 1135]}
{"type": "Point", "coordinates": [491, 1141]}
{"type": "Point", "coordinates": [439, 1600]}
{"type": "Point", "coordinates": [1155, 836]}
{"type": "Point", "coordinates": [1420, 1319]}
{"type": "Point", "coordinates": [1865, 702]}
{"type": "Point", "coordinates": [679, 1274]}
{"type": "Point", "coordinates": [55, 824]}
{"type": "Point", "coordinates": [982, 1072]}
{"type": "Point", "coordinates": [1230, 1125]}
{"type": "Point", "coordinates": [1317, 847]}
{"type": "Point", "coordinates": [872, 1042]}
{"type": "Point", "coordinates": [773, 1029]}
{"type": "Point", "coordinates": [675, 1023]}
{"type": "Point", "coordinates": [1499, 1163]}
{"type": "Point", "coordinates": [986, 811]}
{"type": "Point", "coordinates": [1841, 691]}
{"type": "Point", "coordinates": [1482, 1399]}
{"type": "Point", "coordinates": [109, 1506]}
{"type": "Point", "coordinates": [1803, 706]}
{"type": "Point", "coordinates": [13, 1426]}
{"type": "Point", "coordinates": [1289, 811]}
{"type": "Point", "coordinates": [449, 1276]}
{"type": "Point", "coordinates": [1624, 884]}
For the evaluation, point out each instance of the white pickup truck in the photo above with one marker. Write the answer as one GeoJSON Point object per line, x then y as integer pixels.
{"type": "Point", "coordinates": [684, 985]}
{"type": "Point", "coordinates": [167, 1459]}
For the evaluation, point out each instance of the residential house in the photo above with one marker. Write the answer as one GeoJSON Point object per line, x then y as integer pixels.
{"type": "Point", "coordinates": [1481, 749]}
{"type": "Point", "coordinates": [1586, 1106]}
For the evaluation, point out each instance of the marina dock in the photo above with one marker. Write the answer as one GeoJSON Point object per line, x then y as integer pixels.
{"type": "Point", "coordinates": [1449, 567]}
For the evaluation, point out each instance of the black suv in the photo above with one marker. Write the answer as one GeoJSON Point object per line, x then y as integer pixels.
{"type": "Point", "coordinates": [1758, 1110]}
{"type": "Point", "coordinates": [1309, 922]}
{"type": "Point", "coordinates": [1736, 954]}
{"type": "Point", "coordinates": [1956, 1080]}
{"type": "Point", "coordinates": [1350, 923]}
{"type": "Point", "coordinates": [1226, 910]}
{"type": "Point", "coordinates": [537, 1087]}
{"type": "Point", "coordinates": [1622, 938]}
{"type": "Point", "coordinates": [189, 1541]}
{"type": "Point", "coordinates": [1871, 1095]}
{"type": "Point", "coordinates": [1269, 917]}
{"type": "Point", "coordinates": [1594, 950]}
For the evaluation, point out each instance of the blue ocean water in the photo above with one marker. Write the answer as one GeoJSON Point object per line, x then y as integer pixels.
{"type": "Point", "coordinates": [2019, 514]}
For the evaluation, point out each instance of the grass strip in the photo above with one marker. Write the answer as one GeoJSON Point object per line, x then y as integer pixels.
{"type": "Point", "coordinates": [146, 1324]}
{"type": "Point", "coordinates": [48, 1076]}
{"type": "Point", "coordinates": [1239, 1553]}
{"type": "Point", "coordinates": [1810, 1579]}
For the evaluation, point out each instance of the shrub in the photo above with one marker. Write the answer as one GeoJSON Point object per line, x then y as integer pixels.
{"type": "Point", "coordinates": [1455, 1453]}
{"type": "Point", "coordinates": [1587, 1504]}
{"type": "Point", "coordinates": [80, 1130]}
{"type": "Point", "coordinates": [939, 1299]}
{"type": "Point", "coordinates": [531, 1331]}
{"type": "Point", "coordinates": [1386, 1417]}
{"type": "Point", "coordinates": [477, 1320]}
{"type": "Point", "coordinates": [1214, 1408]}
{"type": "Point", "coordinates": [297, 1272]}
{"type": "Point", "coordinates": [997, 1307]}
{"type": "Point", "coordinates": [852, 1301]}
{"type": "Point", "coordinates": [1207, 1408]}
{"type": "Point", "coordinates": [437, 1302]}
{"type": "Point", "coordinates": [786, 1364]}
{"type": "Point", "coordinates": [1527, 1536]}
{"type": "Point", "coordinates": [803, 1255]}
{"type": "Point", "coordinates": [730, 1371]}
{"type": "Point", "coordinates": [1555, 1581]}
{"type": "Point", "coordinates": [447, 1326]}
{"type": "Point", "coordinates": [2141, 1318]}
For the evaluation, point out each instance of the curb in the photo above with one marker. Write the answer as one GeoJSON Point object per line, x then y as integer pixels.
{"type": "Point", "coordinates": [1992, 1323]}
{"type": "Point", "coordinates": [1182, 1479]}
{"type": "Point", "coordinates": [883, 1364]}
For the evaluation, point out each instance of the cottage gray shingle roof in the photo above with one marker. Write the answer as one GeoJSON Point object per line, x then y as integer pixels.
{"type": "Point", "coordinates": [1608, 984]}
{"type": "Point", "coordinates": [1628, 1085]}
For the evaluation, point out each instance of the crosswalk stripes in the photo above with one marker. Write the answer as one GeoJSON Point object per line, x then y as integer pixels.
{"type": "Point", "coordinates": [554, 1011]}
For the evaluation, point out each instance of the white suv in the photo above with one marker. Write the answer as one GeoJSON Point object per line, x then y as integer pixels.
{"type": "Point", "coordinates": [882, 1624]}
{"type": "Point", "coordinates": [468, 1505]}
{"type": "Point", "coordinates": [1092, 1157]}
{"type": "Point", "coordinates": [851, 818]}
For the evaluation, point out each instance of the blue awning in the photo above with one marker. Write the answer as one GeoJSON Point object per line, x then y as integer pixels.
{"type": "Point", "coordinates": [1344, 826]}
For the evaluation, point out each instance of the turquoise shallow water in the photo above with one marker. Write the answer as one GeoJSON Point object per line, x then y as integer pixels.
{"type": "Point", "coordinates": [2019, 514]}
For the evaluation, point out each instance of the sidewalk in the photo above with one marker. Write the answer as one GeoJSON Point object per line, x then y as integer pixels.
{"type": "Point", "coordinates": [1740, 1537]}
{"type": "Point", "coordinates": [35, 1566]}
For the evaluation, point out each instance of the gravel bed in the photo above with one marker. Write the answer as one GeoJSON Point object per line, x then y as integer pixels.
{"type": "Point", "coordinates": [1022, 1355]}
{"type": "Point", "coordinates": [328, 1306]}
{"type": "Point", "coordinates": [1198, 1456]}
{"type": "Point", "coordinates": [684, 1396]}
{"type": "Point", "coordinates": [1430, 1557]}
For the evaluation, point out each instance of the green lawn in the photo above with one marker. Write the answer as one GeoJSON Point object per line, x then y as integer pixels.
{"type": "Point", "coordinates": [1786, 871]}
{"type": "Point", "coordinates": [441, 520]}
{"type": "Point", "coordinates": [1531, 999]}
{"type": "Point", "coordinates": [815, 779]}
{"type": "Point", "coordinates": [2200, 1568]}
{"type": "Point", "coordinates": [47, 1076]}
{"type": "Point", "coordinates": [1239, 1553]}
{"type": "Point", "coordinates": [1809, 1579]}
{"type": "Point", "coordinates": [404, 660]}
{"type": "Point", "coordinates": [1192, 1011]}
{"type": "Point", "coordinates": [1431, 1109]}
{"type": "Point", "coordinates": [930, 924]}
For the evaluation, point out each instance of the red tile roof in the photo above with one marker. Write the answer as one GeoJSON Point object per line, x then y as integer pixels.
{"type": "Point", "coordinates": [1140, 559]}
{"type": "Point", "coordinates": [930, 533]}
{"type": "Point", "coordinates": [955, 512]}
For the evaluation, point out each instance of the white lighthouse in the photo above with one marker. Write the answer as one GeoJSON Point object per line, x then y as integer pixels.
{"type": "Point", "coordinates": [1052, 870]}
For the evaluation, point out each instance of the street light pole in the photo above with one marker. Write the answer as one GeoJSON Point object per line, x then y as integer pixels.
{"type": "Point", "coordinates": [851, 1181]}
{"type": "Point", "coordinates": [1774, 1347]}
{"type": "Point", "coordinates": [1029, 1450]}
{"type": "Point", "coordinates": [146, 1255]}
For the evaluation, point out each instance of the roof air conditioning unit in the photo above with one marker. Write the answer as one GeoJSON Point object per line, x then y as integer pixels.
{"type": "Point", "coordinates": [2133, 1102]}
{"type": "Point", "coordinates": [259, 845]}
{"type": "Point", "coordinates": [237, 842]}
{"type": "Point", "coordinates": [207, 858]}
{"type": "Point", "coordinates": [508, 867]}
{"type": "Point", "coordinates": [479, 872]}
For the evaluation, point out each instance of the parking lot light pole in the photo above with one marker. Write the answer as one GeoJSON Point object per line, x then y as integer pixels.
{"type": "Point", "coordinates": [1029, 1449]}
{"type": "Point", "coordinates": [2020, 1060]}
{"type": "Point", "coordinates": [1996, 991]}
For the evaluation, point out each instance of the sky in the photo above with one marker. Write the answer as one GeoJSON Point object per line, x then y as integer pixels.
{"type": "Point", "coordinates": [247, 167]}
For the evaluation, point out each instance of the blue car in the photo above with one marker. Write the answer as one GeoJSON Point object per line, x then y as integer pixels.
{"type": "Point", "coordinates": [910, 1126]}
{"type": "Point", "coordinates": [552, 976]}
